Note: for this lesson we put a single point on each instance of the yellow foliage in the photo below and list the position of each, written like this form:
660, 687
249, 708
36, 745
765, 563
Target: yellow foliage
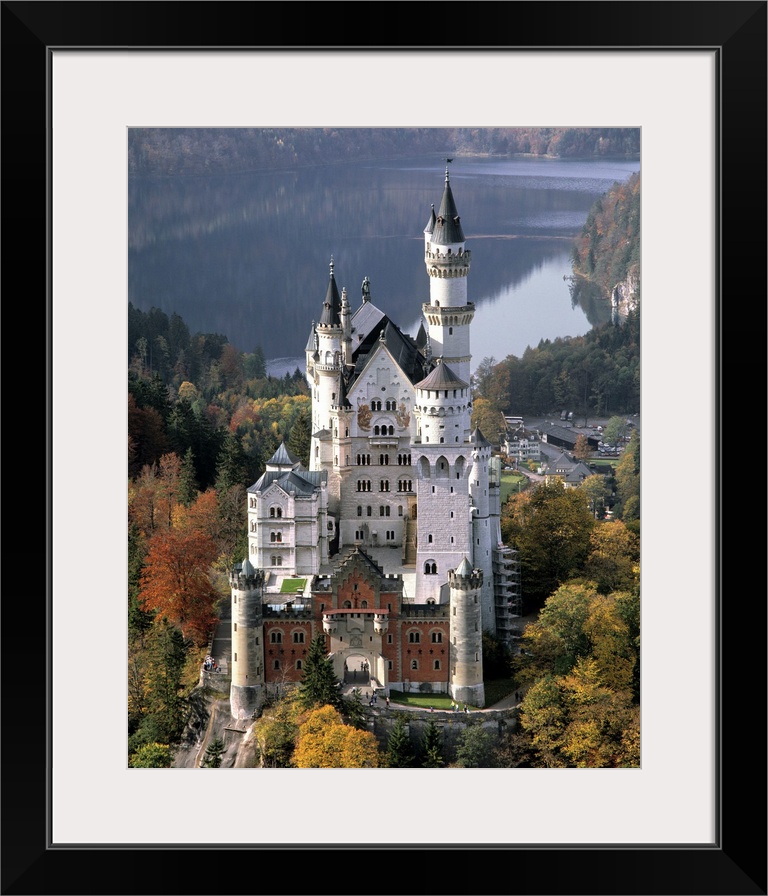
324, 741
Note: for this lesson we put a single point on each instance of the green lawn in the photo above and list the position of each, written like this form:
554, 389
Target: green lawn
511, 484
292, 586
494, 691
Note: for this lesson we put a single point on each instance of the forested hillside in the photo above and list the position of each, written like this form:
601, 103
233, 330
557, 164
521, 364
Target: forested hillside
606, 254
597, 374
210, 150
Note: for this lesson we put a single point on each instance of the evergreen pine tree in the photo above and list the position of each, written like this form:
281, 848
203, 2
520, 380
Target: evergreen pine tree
300, 437
319, 685
232, 464
188, 488
213, 754
431, 748
399, 751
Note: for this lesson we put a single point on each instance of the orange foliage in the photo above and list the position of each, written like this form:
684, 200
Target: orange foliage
175, 582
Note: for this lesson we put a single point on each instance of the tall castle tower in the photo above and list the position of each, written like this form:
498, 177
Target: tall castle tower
466, 648
448, 313
325, 358
247, 692
443, 407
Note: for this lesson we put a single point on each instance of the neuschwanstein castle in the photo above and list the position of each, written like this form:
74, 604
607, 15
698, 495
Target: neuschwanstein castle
399, 487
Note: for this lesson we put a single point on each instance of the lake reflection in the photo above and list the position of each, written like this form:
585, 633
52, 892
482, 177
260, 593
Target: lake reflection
247, 255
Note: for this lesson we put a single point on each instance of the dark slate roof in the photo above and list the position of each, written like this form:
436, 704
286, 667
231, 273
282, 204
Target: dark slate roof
401, 346
292, 482
283, 458
343, 400
312, 341
421, 336
442, 377
332, 303
478, 438
366, 322
447, 227
431, 223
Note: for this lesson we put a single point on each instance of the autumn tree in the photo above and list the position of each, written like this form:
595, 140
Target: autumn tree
276, 731
319, 685
175, 582
614, 555
152, 755
575, 721
550, 527
158, 688
628, 481
581, 448
324, 741
595, 489
488, 419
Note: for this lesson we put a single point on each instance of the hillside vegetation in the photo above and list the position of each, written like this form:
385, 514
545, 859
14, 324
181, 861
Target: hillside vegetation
214, 150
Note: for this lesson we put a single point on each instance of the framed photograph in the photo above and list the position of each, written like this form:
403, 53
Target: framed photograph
692, 819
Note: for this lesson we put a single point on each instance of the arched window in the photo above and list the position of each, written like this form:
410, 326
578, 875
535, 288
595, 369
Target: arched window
363, 604
414, 664
275, 637
272, 537
298, 637
271, 511
391, 430
414, 637
275, 664
347, 605
436, 665
359, 510
437, 637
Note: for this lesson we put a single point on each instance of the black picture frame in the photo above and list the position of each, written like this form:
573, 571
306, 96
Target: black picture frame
736, 863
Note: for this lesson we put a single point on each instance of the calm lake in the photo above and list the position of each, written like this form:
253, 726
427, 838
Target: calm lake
247, 255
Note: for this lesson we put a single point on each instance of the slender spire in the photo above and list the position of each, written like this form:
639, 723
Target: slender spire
332, 303
447, 227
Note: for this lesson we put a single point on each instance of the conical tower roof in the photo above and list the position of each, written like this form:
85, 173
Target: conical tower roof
442, 377
479, 439
464, 568
447, 227
283, 458
332, 304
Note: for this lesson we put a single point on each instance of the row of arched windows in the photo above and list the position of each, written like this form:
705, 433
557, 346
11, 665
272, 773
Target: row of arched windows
414, 637
384, 510
430, 568
297, 637
404, 460
389, 405
275, 536
276, 512
383, 430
